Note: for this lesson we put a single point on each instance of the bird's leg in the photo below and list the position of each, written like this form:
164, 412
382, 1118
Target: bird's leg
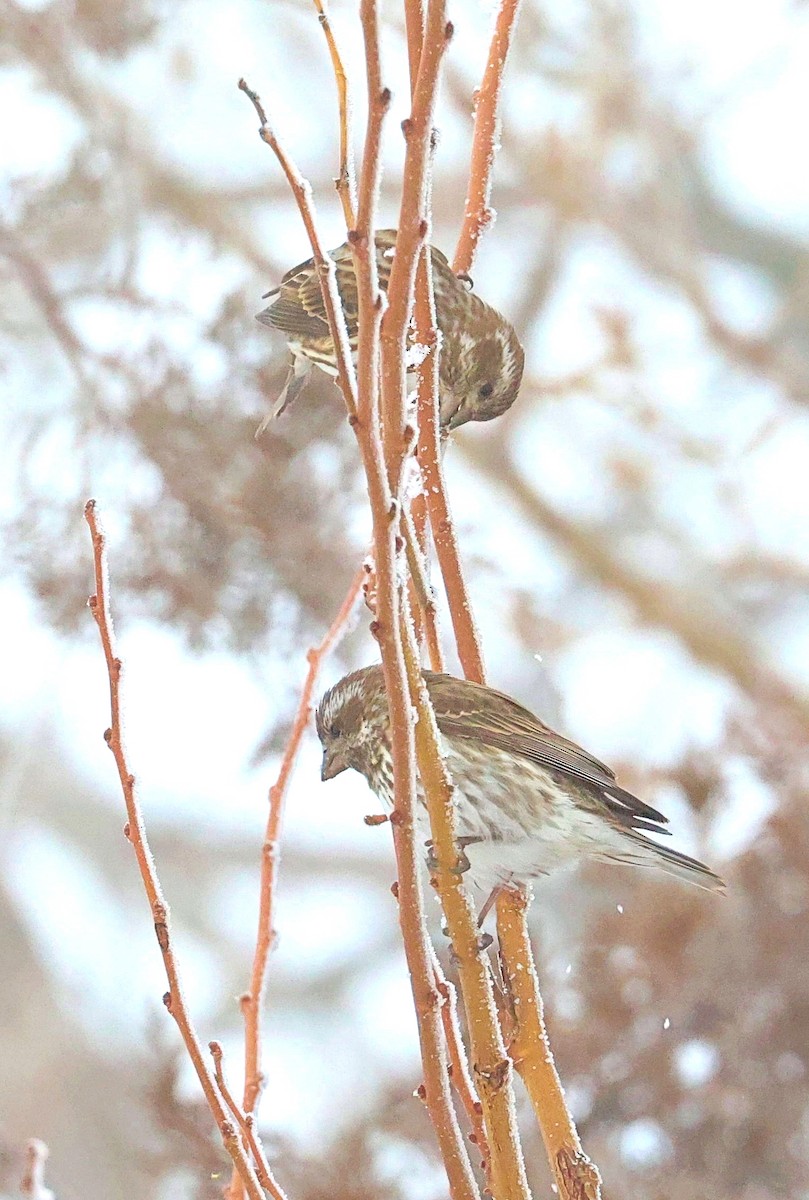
487, 907
463, 859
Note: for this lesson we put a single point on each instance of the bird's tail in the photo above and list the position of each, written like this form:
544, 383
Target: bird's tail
651, 854
295, 382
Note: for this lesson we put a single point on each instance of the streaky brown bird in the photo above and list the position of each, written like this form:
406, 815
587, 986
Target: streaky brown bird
527, 800
481, 359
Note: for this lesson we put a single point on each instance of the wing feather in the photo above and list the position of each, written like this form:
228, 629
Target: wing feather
298, 309
467, 710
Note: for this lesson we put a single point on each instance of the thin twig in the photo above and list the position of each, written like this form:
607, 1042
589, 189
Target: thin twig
422, 590
302, 191
461, 1077
414, 26
345, 182
246, 1122
434, 489
577, 1178
386, 627
412, 231
467, 638
434, 492
491, 1066
252, 1001
135, 830
370, 301
364, 418
478, 214
32, 1183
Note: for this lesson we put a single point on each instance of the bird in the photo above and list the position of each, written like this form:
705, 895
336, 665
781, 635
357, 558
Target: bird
527, 800
481, 360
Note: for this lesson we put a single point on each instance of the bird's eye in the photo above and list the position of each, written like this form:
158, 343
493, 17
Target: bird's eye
486, 390
333, 731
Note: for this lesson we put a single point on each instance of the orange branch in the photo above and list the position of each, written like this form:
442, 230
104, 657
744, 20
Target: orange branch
414, 26
491, 1066
461, 1078
135, 830
577, 1178
345, 181
464, 627
246, 1123
252, 1001
302, 191
32, 1183
423, 591
386, 627
364, 417
434, 490
412, 231
478, 215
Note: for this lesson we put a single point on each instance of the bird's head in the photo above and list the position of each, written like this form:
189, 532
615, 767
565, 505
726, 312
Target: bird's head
481, 370
350, 722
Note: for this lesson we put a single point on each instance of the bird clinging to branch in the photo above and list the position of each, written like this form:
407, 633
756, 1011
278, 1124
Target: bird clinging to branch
481, 359
527, 799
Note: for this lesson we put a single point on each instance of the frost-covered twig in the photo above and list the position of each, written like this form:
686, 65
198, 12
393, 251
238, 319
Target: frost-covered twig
345, 182
365, 419
246, 1122
412, 232
252, 1000
422, 590
302, 192
491, 1066
478, 214
135, 830
461, 1077
32, 1183
577, 1178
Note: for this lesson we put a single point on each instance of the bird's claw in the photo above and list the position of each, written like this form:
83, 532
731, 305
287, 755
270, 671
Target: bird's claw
484, 941
462, 863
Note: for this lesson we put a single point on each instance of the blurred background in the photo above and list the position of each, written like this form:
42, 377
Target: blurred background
635, 537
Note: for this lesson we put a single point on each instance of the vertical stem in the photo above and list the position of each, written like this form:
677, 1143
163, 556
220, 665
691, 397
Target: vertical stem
478, 214
346, 182
491, 1067
577, 1178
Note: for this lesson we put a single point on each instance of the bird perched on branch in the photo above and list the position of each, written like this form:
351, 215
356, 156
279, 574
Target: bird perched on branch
481, 359
526, 799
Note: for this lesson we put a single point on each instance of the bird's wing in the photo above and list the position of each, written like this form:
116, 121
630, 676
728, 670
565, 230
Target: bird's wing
467, 710
299, 310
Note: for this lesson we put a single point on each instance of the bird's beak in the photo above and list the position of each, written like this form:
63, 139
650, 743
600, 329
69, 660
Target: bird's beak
332, 765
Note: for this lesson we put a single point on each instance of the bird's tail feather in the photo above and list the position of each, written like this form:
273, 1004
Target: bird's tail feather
296, 381
682, 866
